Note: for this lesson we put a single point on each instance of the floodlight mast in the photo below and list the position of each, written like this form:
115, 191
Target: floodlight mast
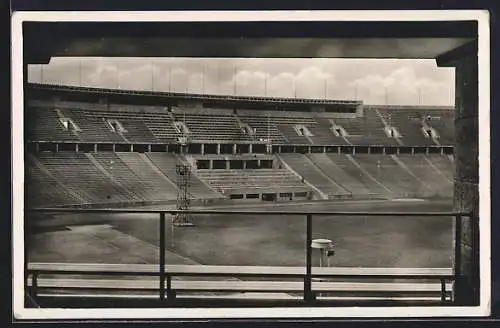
183, 183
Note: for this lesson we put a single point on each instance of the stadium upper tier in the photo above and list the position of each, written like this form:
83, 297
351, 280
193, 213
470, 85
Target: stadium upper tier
80, 115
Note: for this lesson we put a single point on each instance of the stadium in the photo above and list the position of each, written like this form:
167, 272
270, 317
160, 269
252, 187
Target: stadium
122, 157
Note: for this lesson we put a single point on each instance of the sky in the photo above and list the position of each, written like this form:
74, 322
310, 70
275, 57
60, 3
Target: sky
374, 81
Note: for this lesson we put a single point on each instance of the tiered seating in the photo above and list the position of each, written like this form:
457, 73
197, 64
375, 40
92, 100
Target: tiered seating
161, 126
43, 125
292, 136
82, 177
93, 126
137, 131
409, 125
124, 176
323, 135
387, 171
166, 163
443, 122
280, 124
211, 126
157, 185
353, 171
252, 181
135, 128
444, 165
264, 129
155, 124
419, 164
42, 190
337, 174
300, 164
374, 129
353, 128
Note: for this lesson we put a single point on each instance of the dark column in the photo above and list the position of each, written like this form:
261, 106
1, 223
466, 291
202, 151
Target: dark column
466, 191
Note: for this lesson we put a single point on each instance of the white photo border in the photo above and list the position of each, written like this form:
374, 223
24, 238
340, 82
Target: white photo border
19, 310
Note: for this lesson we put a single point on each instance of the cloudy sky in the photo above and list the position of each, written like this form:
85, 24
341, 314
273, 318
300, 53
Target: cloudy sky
375, 81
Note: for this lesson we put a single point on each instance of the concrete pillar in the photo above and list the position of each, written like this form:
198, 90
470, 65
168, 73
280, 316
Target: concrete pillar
250, 148
244, 165
203, 149
369, 150
412, 151
114, 147
149, 148
228, 165
95, 148
466, 191
76, 147
218, 149
234, 149
383, 151
211, 164
57, 147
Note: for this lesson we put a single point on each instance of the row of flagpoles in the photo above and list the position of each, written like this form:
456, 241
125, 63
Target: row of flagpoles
235, 82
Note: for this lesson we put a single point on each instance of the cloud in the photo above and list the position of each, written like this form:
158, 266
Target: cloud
402, 86
406, 81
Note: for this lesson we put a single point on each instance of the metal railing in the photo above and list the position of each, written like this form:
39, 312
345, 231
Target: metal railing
165, 278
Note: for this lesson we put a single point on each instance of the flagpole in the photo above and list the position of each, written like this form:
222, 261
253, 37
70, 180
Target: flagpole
265, 85
294, 88
203, 79
326, 81
152, 76
235, 84
187, 81
170, 77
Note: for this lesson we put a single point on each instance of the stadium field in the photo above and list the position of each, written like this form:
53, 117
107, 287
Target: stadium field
254, 240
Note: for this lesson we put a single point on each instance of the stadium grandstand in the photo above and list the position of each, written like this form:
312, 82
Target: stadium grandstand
109, 150
101, 146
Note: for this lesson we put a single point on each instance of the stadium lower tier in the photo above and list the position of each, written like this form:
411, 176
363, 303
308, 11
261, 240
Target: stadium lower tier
74, 178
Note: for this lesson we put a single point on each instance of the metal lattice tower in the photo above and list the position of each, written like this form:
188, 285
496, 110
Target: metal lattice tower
183, 184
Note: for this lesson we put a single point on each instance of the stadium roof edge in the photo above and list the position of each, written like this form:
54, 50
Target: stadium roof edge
187, 96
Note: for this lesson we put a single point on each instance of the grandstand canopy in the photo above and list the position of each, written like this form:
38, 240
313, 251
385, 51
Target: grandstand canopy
425, 40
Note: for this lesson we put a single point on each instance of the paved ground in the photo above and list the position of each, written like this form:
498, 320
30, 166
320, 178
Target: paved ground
253, 240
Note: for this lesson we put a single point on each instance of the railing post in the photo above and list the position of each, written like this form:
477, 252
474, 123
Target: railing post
162, 256
308, 295
34, 284
443, 290
457, 272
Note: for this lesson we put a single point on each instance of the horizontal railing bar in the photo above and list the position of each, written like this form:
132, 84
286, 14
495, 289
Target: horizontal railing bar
263, 275
273, 297
226, 212
237, 271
